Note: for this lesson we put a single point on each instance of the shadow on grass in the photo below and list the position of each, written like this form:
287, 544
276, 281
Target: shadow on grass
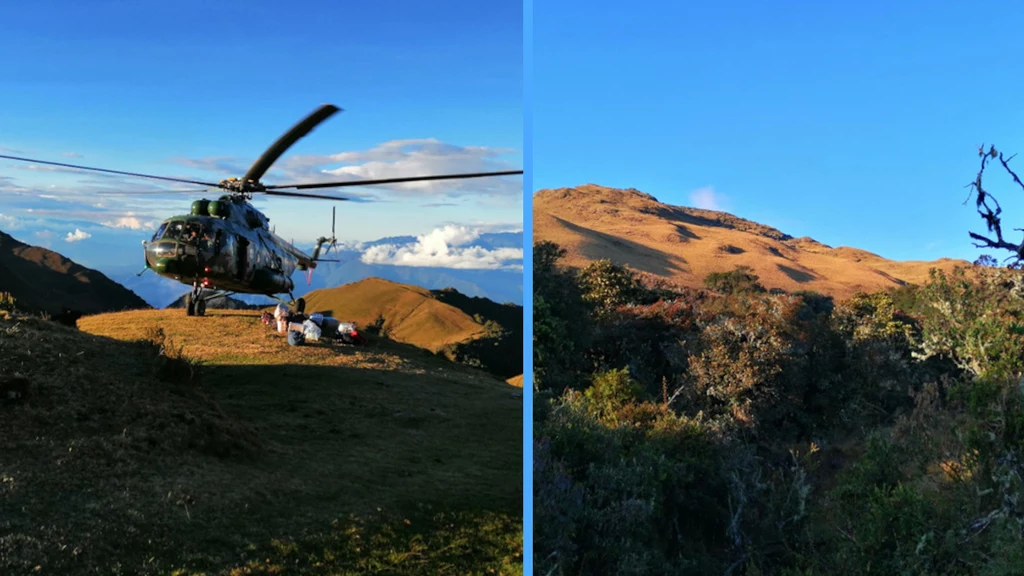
360, 469
596, 244
796, 275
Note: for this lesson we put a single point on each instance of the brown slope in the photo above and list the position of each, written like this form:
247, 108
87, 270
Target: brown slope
412, 315
686, 244
43, 280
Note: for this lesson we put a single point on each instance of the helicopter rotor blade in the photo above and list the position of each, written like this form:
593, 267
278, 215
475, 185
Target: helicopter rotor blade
301, 195
89, 168
394, 180
286, 141
145, 192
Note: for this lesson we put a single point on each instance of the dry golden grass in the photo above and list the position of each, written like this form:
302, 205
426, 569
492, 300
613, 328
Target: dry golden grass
383, 459
412, 315
686, 244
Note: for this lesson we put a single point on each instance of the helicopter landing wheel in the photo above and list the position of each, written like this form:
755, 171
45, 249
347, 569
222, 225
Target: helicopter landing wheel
190, 305
300, 306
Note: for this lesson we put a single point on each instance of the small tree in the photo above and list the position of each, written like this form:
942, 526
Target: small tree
741, 280
607, 286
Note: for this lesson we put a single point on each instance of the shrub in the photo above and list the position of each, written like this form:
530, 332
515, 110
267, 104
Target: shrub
977, 323
741, 280
606, 286
642, 497
561, 321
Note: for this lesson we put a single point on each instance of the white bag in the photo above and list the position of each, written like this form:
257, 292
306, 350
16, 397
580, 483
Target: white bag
282, 326
317, 318
346, 327
311, 331
280, 312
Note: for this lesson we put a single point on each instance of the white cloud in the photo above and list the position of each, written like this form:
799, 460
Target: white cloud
447, 247
9, 222
408, 158
131, 222
707, 199
77, 236
44, 234
71, 155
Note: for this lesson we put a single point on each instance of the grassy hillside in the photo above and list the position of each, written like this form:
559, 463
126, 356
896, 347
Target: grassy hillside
474, 331
684, 245
411, 314
43, 280
234, 453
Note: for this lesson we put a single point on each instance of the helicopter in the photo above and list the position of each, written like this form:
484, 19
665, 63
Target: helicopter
225, 246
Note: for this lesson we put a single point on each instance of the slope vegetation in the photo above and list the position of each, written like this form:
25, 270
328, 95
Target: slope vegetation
149, 442
686, 244
43, 280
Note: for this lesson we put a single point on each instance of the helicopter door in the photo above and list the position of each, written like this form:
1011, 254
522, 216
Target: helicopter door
242, 257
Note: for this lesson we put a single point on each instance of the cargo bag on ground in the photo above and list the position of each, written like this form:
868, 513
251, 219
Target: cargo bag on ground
311, 331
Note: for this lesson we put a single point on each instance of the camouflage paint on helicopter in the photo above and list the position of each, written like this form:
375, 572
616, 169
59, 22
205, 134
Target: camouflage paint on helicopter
225, 244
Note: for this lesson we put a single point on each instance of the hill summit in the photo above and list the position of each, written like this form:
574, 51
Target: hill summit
686, 244
42, 280
471, 330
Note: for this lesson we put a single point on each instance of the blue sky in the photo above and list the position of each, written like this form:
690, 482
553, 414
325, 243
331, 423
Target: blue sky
191, 88
854, 123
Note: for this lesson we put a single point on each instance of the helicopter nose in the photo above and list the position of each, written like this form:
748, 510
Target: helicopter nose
163, 256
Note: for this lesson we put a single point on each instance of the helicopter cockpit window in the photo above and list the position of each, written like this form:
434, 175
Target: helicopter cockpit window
159, 232
184, 231
174, 231
192, 233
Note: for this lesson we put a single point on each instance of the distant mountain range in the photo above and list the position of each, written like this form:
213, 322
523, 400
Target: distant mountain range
219, 303
498, 285
686, 244
42, 280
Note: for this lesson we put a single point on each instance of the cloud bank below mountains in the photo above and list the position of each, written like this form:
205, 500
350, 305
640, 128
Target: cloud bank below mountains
447, 247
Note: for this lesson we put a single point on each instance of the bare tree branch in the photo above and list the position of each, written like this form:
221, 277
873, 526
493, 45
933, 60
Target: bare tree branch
989, 208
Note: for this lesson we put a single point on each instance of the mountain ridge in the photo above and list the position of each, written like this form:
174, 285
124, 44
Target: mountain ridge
684, 244
42, 280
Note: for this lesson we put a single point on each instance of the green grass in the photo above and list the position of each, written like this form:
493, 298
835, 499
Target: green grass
274, 460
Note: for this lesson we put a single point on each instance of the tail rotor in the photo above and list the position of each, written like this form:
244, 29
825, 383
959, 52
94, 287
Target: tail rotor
331, 242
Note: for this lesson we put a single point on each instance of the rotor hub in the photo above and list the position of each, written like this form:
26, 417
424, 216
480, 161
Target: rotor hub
242, 187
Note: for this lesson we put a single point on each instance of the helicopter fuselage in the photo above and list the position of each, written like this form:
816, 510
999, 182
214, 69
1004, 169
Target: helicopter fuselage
225, 245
